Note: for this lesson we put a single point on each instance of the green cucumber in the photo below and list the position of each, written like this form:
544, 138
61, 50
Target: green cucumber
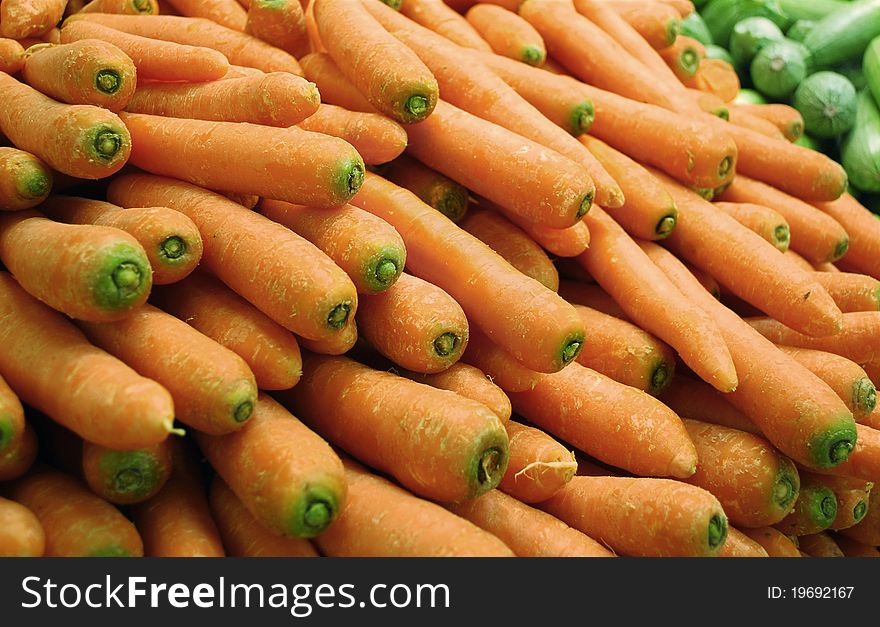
694, 27
855, 73
871, 67
722, 15
827, 102
750, 96
811, 9
750, 36
779, 68
717, 52
844, 34
800, 29
861, 149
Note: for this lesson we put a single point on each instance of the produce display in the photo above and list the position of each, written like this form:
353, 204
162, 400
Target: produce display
535, 278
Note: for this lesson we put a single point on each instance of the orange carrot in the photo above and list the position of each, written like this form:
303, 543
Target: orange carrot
814, 235
469, 382
154, 59
432, 188
126, 477
694, 399
592, 296
25, 181
29, 18
21, 534
827, 266
858, 340
843, 376
642, 517
633, 282
684, 58
100, 273
507, 33
776, 543
739, 544
275, 99
863, 230
80, 140
212, 387
177, 522
239, 48
710, 103
794, 409
749, 266
228, 13
801, 263
11, 416
244, 535
237, 159
512, 244
658, 22
169, 238
339, 344
76, 522
376, 138
567, 242
11, 56
819, 545
852, 292
852, 499
853, 548
19, 455
787, 119
281, 23
539, 466
766, 222
314, 299
614, 423
494, 295
528, 532
717, 77
383, 520
128, 7
499, 366
864, 462
868, 530
394, 80
756, 123
288, 477
335, 88
437, 16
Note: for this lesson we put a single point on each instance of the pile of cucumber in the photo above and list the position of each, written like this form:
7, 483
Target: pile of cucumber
821, 57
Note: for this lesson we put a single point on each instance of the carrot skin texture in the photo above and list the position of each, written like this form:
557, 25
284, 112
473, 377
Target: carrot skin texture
469, 382
432, 188
25, 180
852, 292
126, 7
505, 371
819, 545
860, 224
281, 24
766, 222
21, 18
539, 465
21, 534
19, 455
694, 399
858, 340
11, 55
440, 18
334, 86
228, 13
739, 544
774, 542
377, 139
508, 34
868, 530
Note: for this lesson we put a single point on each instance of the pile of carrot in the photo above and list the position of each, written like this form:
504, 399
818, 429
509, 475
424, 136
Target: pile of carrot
354, 278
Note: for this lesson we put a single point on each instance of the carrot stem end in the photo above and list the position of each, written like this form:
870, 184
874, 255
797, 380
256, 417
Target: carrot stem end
533, 55
717, 532
339, 315
582, 117
865, 395
666, 225
108, 81
172, 248
859, 511
446, 344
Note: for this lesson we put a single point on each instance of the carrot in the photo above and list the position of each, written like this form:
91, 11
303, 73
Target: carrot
794, 409
658, 22
852, 499
528, 532
19, 455
126, 477
592, 296
852, 292
717, 77
313, 299
326, 174
852, 548
634, 282
11, 56
766, 222
507, 33
863, 230
684, 58
858, 340
437, 16
801, 263
127, 7
376, 138
469, 382
28, 18
494, 295
843, 376
827, 266
694, 399
499, 366
275, 99
864, 462
52, 36
177, 522
754, 483
710, 103
169, 238
367, 248
339, 344
335, 88
753, 122
814, 511
512, 244
432, 188
228, 13
814, 235
76, 522
748, 265
463, 5
649, 211
153, 58
25, 180
819, 545
539, 466
80, 140
21, 534
739, 544
287, 477
100, 273
776, 543
248, 201
642, 517
244, 535
383, 520
625, 353
614, 423
238, 48
399, 85
212, 387
787, 119
11, 416
567, 242
281, 23
868, 530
